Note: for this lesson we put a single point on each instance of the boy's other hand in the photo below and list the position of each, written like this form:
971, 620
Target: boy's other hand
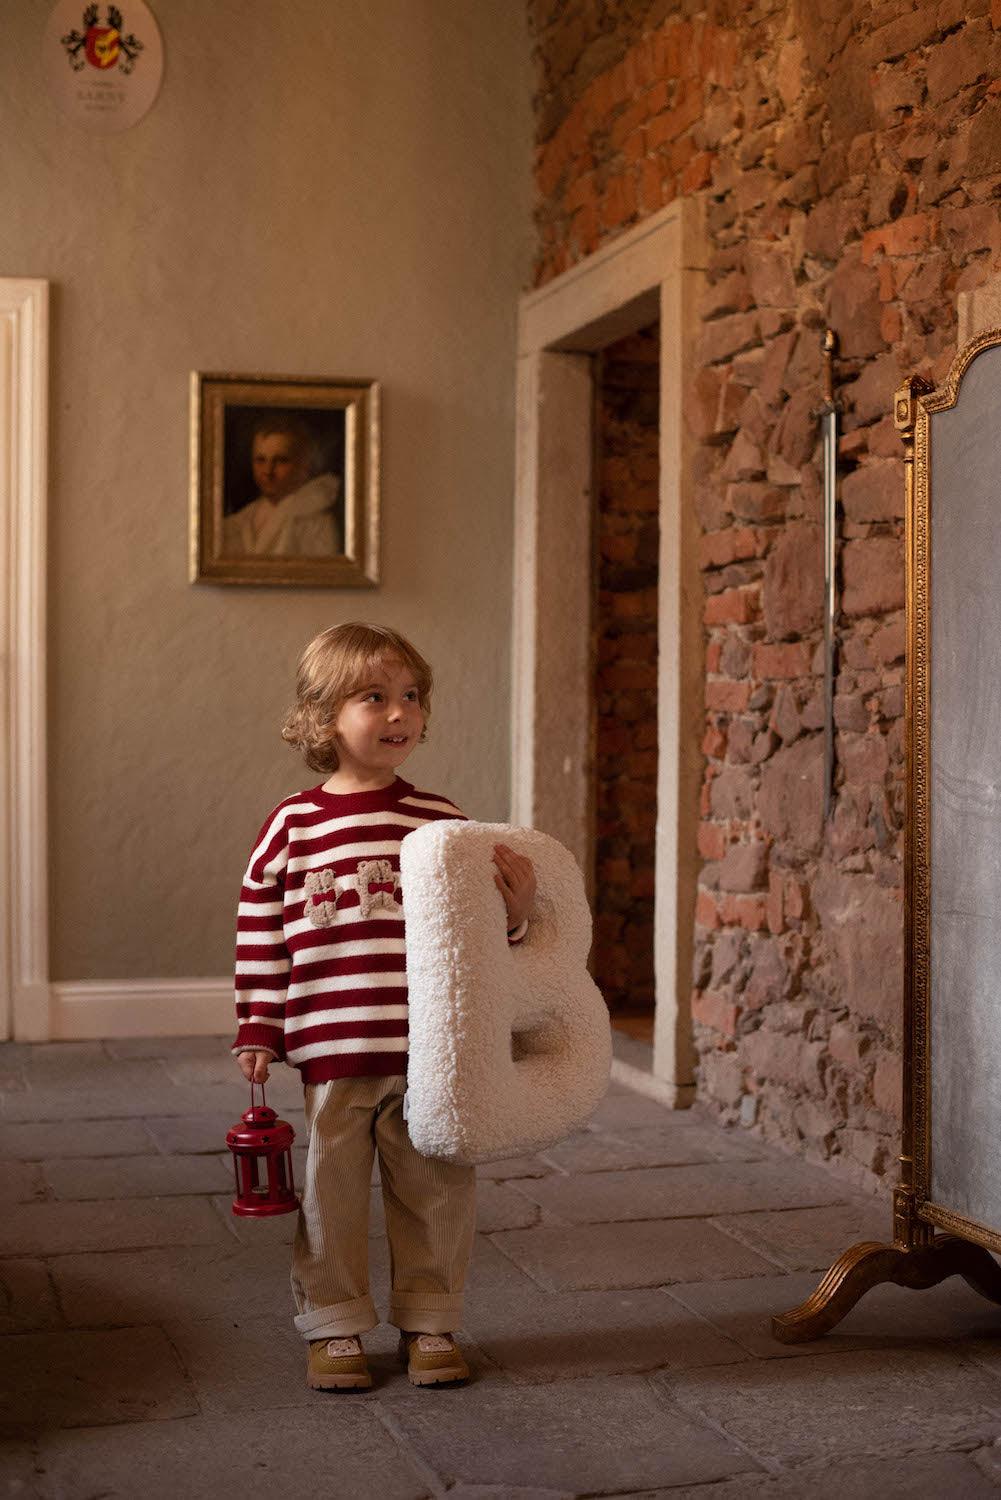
254, 1065
515, 879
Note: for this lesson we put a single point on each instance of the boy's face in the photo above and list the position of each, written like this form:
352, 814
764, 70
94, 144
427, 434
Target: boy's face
380, 723
279, 464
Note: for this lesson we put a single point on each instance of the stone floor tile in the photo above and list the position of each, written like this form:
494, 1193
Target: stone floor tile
681, 1192
21, 1182
872, 1403
505, 1492
654, 1253
887, 1316
276, 1229
18, 1480
227, 1356
123, 1103
27, 1297
120, 1224
646, 1146
168, 1046
182, 1283
918, 1476
242, 1456
500, 1207
514, 1166
595, 1436
84, 1066
136, 1177
205, 1133
621, 1107
74, 1138
284, 1085
540, 1337
811, 1239
76, 1379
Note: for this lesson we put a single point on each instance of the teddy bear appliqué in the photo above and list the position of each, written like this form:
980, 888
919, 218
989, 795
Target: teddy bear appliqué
375, 881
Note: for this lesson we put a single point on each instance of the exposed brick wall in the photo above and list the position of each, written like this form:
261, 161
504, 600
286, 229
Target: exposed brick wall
850, 157
627, 539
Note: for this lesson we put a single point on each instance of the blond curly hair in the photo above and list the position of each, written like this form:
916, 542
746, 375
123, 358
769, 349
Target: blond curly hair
335, 664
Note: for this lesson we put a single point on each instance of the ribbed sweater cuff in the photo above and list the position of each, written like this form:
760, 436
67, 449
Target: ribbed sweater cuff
262, 1038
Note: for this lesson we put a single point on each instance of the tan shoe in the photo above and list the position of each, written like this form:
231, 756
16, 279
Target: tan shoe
337, 1365
432, 1359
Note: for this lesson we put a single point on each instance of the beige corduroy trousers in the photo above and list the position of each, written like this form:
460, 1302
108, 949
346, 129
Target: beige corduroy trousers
430, 1216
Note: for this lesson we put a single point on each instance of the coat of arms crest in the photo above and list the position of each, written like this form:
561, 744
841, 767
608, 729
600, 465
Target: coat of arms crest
102, 46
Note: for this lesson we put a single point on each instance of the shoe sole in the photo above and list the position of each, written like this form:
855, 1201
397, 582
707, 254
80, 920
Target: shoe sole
454, 1376
339, 1382
354, 1380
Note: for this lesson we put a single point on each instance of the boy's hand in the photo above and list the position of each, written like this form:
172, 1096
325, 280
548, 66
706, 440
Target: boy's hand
254, 1065
515, 879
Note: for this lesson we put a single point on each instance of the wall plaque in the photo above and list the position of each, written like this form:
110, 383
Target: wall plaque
103, 63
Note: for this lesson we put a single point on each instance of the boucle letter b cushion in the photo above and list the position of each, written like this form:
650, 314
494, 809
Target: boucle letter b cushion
510, 1044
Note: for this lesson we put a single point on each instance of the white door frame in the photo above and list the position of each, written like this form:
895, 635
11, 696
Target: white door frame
24, 929
653, 269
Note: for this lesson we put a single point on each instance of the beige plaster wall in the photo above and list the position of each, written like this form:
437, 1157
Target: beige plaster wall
337, 188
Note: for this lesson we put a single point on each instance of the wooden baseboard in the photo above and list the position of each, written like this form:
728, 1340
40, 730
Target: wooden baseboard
87, 1010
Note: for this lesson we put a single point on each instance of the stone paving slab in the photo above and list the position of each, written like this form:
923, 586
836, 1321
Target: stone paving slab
811, 1239
167, 1046
505, 1492
203, 1133
71, 1139
515, 1166
119, 1224
21, 1182
85, 1066
226, 1355
886, 1316
165, 1099
338, 1441
284, 1085
136, 1177
920, 1476
27, 1297
76, 1379
608, 1434
647, 1146
498, 1207
622, 1107
546, 1337
873, 1403
653, 1253
275, 1230
175, 1283
680, 1192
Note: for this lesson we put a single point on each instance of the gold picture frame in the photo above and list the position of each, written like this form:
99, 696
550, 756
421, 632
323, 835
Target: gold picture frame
284, 481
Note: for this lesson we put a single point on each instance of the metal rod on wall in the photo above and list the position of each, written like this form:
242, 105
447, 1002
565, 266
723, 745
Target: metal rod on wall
829, 429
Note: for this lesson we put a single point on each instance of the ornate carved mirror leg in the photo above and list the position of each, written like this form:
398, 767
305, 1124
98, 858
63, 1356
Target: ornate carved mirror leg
870, 1264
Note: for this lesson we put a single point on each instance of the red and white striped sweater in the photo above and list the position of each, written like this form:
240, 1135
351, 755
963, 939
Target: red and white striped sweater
321, 968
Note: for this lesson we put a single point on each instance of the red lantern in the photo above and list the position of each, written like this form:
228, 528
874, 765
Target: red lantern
262, 1161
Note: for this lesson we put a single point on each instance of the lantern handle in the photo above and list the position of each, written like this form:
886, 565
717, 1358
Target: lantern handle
253, 1086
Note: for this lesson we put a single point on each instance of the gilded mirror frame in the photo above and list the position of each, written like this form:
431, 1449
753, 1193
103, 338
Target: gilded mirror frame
916, 405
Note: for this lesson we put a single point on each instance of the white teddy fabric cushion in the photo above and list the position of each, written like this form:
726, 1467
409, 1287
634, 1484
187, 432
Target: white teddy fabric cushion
510, 1044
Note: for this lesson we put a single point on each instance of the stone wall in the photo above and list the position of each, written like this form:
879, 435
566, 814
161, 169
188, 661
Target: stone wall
627, 539
849, 155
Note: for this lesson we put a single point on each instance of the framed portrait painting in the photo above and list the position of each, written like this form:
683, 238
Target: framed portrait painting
284, 480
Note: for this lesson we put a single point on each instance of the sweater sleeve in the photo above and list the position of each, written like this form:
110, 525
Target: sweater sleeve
263, 963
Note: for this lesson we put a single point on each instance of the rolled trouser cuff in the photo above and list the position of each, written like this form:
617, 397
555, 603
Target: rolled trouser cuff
338, 1321
426, 1312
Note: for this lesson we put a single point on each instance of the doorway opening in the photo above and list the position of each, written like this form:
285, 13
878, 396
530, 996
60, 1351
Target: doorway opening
626, 551
606, 312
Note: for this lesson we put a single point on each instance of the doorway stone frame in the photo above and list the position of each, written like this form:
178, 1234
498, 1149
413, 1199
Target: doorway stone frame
653, 270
